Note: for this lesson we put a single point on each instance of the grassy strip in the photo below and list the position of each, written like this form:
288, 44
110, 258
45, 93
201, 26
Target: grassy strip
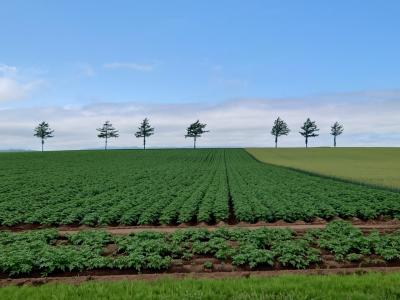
368, 286
376, 167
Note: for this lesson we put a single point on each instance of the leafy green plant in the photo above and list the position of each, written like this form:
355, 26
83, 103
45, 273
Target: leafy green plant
208, 265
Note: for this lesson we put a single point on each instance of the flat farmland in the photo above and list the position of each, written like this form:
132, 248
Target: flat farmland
172, 187
76, 216
339, 245
375, 166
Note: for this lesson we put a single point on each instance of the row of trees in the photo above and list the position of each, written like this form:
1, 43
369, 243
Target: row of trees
196, 130
107, 131
308, 130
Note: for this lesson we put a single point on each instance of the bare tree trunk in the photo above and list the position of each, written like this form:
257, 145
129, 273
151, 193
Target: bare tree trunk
194, 142
276, 142
334, 141
306, 142
42, 144
144, 142
105, 145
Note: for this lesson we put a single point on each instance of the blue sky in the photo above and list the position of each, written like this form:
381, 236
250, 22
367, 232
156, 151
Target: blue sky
77, 53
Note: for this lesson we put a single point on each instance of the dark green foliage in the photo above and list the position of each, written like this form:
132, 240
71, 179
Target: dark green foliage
308, 130
336, 130
144, 131
173, 186
195, 131
208, 265
280, 128
387, 246
270, 193
344, 240
106, 132
116, 187
349, 243
46, 252
43, 132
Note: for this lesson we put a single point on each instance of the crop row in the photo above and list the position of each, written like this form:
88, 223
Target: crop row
45, 252
117, 187
270, 193
172, 187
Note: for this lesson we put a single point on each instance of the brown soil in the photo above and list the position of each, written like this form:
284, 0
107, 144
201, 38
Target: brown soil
300, 226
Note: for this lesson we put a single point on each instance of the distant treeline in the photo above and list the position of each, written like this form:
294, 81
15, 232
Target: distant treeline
195, 130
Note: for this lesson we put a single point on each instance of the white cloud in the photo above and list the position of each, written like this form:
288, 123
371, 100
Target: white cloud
130, 65
13, 86
12, 89
239, 123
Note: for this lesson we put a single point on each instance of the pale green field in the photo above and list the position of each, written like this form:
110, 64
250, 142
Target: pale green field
376, 166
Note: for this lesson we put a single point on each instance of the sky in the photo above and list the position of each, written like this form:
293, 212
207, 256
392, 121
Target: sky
235, 65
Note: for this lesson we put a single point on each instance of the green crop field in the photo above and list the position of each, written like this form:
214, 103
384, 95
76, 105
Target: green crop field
376, 166
354, 287
46, 252
172, 187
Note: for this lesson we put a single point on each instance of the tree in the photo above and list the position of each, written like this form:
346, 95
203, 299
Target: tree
195, 131
43, 132
336, 130
145, 130
280, 128
106, 132
308, 130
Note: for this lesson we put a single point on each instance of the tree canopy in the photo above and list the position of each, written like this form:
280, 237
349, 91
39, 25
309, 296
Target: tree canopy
106, 132
144, 130
43, 131
308, 130
196, 130
336, 130
280, 128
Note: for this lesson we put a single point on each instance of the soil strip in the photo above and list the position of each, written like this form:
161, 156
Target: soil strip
382, 226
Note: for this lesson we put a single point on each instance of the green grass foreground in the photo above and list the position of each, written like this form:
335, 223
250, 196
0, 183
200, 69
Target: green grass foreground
369, 286
375, 166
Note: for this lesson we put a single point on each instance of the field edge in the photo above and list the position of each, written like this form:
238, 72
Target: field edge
325, 176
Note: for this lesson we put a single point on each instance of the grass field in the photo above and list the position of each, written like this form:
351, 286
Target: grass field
172, 187
362, 287
376, 166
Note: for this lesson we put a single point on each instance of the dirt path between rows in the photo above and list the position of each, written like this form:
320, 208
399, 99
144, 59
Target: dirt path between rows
204, 275
383, 226
297, 228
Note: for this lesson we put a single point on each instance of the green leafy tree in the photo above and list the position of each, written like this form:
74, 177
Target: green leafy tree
195, 131
43, 132
280, 128
106, 132
145, 130
336, 130
309, 130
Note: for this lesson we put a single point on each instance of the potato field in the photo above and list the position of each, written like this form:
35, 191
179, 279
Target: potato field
45, 252
171, 187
